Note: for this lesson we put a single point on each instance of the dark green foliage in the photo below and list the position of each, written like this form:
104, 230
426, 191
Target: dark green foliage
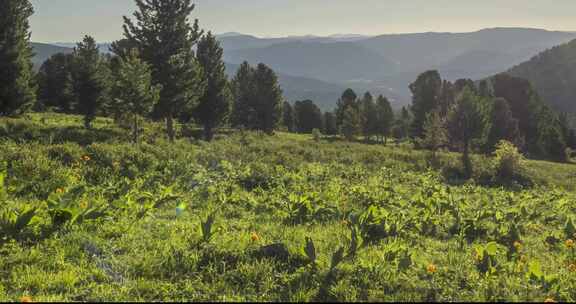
538, 124
348, 115
257, 98
553, 73
330, 127
368, 116
347, 100
55, 81
243, 90
551, 142
91, 79
269, 99
524, 105
288, 117
214, 105
384, 117
308, 116
351, 123
165, 39
468, 121
435, 133
17, 88
426, 92
503, 126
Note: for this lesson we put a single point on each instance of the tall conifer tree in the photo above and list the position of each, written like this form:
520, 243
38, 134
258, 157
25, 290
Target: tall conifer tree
17, 88
214, 106
166, 38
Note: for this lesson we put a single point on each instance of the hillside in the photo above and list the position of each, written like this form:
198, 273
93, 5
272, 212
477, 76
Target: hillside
89, 217
553, 73
338, 61
44, 51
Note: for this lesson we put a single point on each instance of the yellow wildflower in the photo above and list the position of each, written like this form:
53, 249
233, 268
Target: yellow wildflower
83, 205
26, 299
549, 300
254, 237
59, 190
572, 267
569, 243
518, 245
86, 158
431, 269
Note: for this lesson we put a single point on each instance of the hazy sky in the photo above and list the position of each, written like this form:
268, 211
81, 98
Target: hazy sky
69, 20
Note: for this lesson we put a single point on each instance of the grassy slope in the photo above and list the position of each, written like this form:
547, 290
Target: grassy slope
282, 189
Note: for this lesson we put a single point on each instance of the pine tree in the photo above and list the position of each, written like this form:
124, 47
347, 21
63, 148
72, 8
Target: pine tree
268, 99
504, 126
165, 40
55, 83
351, 123
426, 93
347, 100
307, 116
435, 133
243, 90
288, 117
368, 116
133, 91
467, 121
330, 127
91, 79
17, 88
215, 104
384, 117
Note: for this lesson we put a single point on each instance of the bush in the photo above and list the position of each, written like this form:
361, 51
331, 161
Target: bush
508, 160
316, 134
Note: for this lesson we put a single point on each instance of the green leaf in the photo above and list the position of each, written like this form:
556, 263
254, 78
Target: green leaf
492, 248
535, 269
337, 257
310, 250
569, 229
24, 219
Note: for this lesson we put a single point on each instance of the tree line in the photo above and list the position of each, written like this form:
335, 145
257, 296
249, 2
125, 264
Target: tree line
166, 68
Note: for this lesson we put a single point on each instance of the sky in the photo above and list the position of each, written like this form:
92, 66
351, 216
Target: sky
70, 20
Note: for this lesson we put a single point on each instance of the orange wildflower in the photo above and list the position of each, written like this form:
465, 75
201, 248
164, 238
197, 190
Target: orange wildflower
431, 269
26, 299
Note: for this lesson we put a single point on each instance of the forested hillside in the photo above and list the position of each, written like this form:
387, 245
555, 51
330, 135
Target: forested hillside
553, 73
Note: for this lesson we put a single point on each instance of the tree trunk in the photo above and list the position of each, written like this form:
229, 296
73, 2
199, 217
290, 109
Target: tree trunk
135, 131
466, 160
208, 134
170, 127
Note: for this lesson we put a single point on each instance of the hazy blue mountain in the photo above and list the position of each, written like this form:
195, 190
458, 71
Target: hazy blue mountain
553, 73
43, 51
337, 61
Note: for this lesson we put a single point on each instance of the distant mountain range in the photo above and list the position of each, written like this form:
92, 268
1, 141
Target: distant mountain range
320, 68
43, 51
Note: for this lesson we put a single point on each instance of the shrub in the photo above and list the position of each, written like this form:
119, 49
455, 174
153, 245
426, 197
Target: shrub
508, 160
316, 134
